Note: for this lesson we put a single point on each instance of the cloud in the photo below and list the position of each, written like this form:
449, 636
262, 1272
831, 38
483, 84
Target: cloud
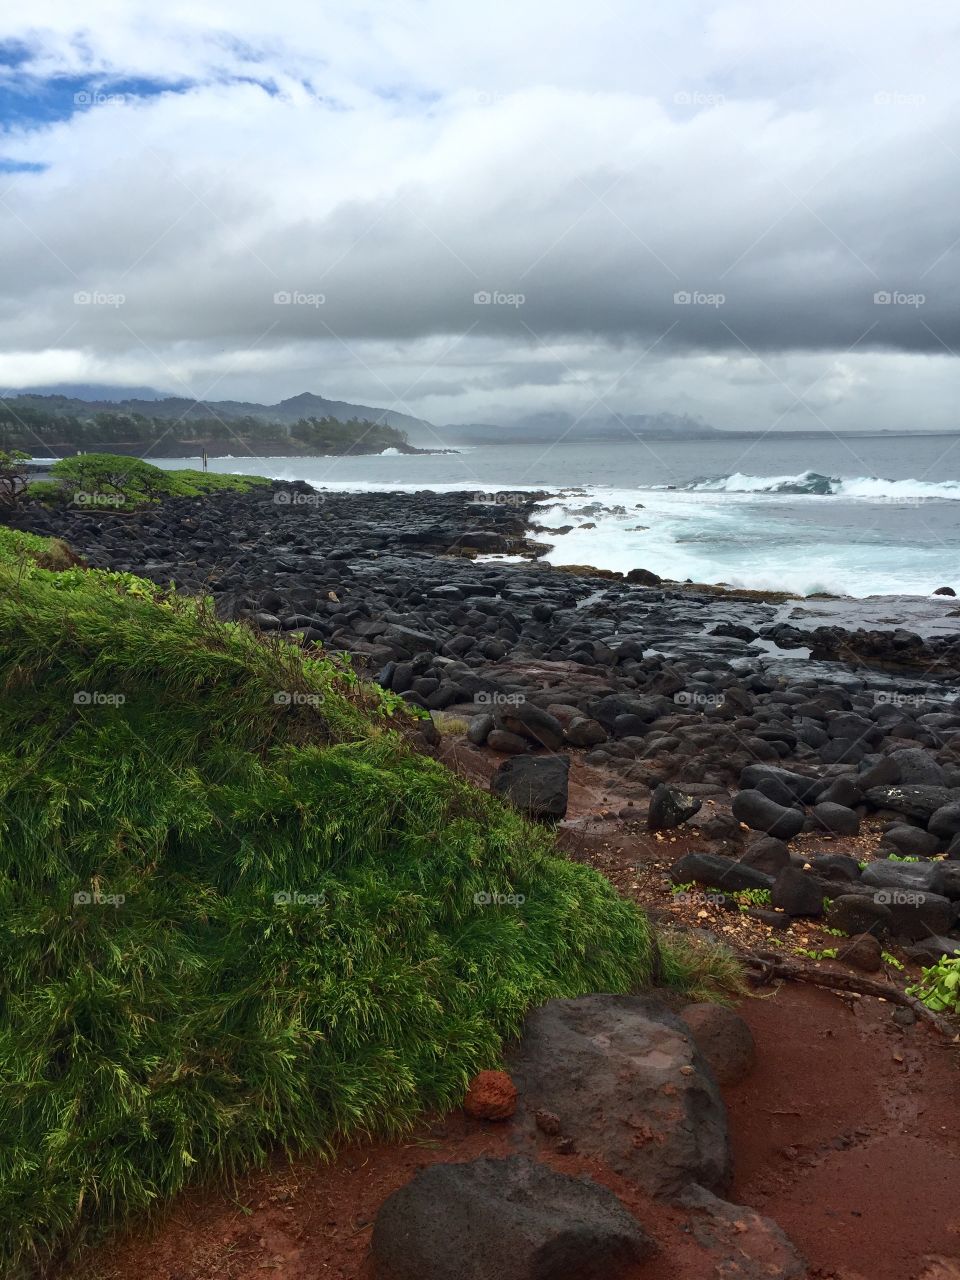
490, 211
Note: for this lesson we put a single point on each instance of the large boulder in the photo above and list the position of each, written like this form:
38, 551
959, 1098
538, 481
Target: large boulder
406, 641
745, 1245
910, 842
835, 818
802, 788
916, 766
766, 854
669, 808
532, 722
886, 873
536, 785
511, 1219
932, 949
584, 732
629, 1085
797, 893
717, 872
913, 801
760, 813
843, 791
917, 915
855, 914
945, 822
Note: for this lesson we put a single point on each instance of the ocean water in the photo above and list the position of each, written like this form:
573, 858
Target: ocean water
857, 516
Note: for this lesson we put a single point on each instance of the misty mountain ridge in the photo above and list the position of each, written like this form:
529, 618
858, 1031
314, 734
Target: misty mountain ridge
83, 399
182, 408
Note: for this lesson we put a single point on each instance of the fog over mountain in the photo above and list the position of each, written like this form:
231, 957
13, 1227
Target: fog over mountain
473, 214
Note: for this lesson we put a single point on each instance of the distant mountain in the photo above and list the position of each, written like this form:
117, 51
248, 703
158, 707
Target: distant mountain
90, 391
306, 405
550, 426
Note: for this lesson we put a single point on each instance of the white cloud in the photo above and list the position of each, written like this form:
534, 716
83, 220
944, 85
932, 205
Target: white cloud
595, 160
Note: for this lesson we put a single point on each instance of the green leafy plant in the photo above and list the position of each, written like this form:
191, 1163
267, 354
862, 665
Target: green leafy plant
939, 985
752, 898
890, 960
896, 857
827, 953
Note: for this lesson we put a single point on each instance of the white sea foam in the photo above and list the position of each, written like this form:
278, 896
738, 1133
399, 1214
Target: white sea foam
814, 484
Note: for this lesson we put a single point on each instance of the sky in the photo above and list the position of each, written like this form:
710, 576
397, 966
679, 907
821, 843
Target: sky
744, 212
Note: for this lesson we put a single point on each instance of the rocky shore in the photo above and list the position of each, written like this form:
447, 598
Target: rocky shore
679, 696
736, 763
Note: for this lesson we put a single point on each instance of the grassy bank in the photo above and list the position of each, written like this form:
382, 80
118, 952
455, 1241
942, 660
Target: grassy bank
237, 911
112, 480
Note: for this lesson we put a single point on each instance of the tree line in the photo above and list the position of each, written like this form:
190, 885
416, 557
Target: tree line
34, 429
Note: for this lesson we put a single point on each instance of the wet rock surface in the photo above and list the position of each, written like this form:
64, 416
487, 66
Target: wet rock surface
513, 1219
625, 1078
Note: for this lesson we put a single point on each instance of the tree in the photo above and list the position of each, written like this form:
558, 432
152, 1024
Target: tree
13, 473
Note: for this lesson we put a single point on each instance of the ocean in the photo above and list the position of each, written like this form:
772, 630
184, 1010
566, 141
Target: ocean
857, 516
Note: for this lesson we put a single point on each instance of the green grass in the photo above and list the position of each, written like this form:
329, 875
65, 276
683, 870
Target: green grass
18, 548
178, 1020
115, 482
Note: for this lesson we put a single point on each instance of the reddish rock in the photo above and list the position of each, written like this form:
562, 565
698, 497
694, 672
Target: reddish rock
492, 1096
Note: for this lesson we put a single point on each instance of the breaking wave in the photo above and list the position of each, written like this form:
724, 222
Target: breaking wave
812, 482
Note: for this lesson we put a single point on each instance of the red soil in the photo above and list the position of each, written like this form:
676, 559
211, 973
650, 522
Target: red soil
845, 1134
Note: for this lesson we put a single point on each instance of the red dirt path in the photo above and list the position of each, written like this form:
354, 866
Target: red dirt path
845, 1134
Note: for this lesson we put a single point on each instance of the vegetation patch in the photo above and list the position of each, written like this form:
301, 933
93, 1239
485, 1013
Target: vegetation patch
111, 481
238, 912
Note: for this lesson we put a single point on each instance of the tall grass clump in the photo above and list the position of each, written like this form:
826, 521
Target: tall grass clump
238, 913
